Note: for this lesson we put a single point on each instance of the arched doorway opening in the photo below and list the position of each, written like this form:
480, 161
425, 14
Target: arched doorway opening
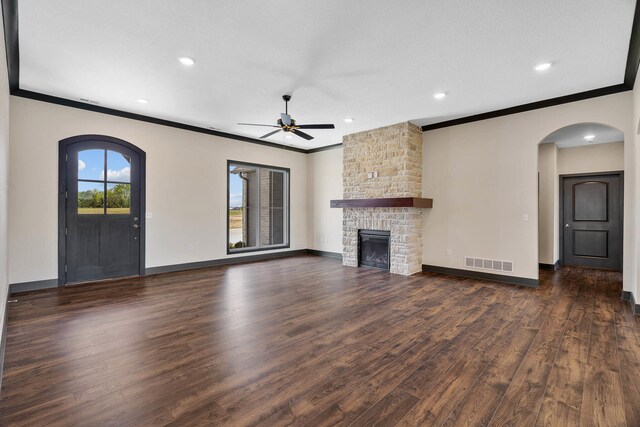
580, 197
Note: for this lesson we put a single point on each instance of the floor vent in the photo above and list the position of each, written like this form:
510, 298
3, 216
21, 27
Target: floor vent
488, 264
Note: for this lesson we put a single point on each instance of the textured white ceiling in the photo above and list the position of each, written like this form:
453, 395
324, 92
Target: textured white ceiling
573, 136
379, 62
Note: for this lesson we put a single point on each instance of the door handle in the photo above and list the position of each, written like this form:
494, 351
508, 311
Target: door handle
567, 226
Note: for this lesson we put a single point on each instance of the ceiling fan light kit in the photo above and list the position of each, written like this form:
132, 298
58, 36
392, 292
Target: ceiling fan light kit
287, 124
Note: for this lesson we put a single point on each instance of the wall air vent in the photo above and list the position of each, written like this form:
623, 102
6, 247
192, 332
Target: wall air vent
488, 264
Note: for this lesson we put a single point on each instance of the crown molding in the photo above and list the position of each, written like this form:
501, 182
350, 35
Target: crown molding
609, 90
633, 56
325, 148
119, 113
10, 20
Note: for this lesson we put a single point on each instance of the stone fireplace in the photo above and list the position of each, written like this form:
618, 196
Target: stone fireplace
382, 186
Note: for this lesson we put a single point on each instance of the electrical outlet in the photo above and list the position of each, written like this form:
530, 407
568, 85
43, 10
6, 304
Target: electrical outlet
525, 217
148, 215
448, 252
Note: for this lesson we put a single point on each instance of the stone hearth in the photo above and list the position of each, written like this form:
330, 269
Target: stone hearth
395, 154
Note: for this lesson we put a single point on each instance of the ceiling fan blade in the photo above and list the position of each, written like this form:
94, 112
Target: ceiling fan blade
286, 119
302, 135
270, 133
253, 124
325, 126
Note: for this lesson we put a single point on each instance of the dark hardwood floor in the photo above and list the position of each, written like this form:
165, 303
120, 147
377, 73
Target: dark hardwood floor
305, 341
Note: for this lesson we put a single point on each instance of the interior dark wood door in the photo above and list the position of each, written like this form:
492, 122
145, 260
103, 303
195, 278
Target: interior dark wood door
103, 209
592, 221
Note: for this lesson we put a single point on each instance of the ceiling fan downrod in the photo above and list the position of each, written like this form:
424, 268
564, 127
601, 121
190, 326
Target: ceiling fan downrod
286, 98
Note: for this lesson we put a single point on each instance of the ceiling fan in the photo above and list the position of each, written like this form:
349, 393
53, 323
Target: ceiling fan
287, 124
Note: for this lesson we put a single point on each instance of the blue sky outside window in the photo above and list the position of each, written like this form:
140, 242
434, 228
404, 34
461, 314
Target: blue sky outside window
91, 164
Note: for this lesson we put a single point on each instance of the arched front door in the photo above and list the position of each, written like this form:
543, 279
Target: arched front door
101, 211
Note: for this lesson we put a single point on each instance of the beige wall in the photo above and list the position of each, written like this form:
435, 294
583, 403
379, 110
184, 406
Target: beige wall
186, 186
4, 180
325, 184
591, 158
482, 177
548, 236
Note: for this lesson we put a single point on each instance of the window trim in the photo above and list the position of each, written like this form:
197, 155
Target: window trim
288, 210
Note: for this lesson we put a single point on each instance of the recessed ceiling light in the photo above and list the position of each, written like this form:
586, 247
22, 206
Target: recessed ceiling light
589, 137
185, 60
288, 136
143, 101
348, 120
542, 67
439, 95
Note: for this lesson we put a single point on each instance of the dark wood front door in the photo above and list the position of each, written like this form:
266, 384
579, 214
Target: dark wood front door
592, 221
103, 201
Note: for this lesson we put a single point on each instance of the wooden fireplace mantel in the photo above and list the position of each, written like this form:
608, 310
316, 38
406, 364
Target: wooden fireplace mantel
393, 202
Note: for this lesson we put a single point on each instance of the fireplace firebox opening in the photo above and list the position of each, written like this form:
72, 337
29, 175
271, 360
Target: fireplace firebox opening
374, 248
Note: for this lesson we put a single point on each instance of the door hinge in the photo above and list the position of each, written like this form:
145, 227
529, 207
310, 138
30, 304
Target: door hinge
65, 231
65, 268
66, 157
66, 194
